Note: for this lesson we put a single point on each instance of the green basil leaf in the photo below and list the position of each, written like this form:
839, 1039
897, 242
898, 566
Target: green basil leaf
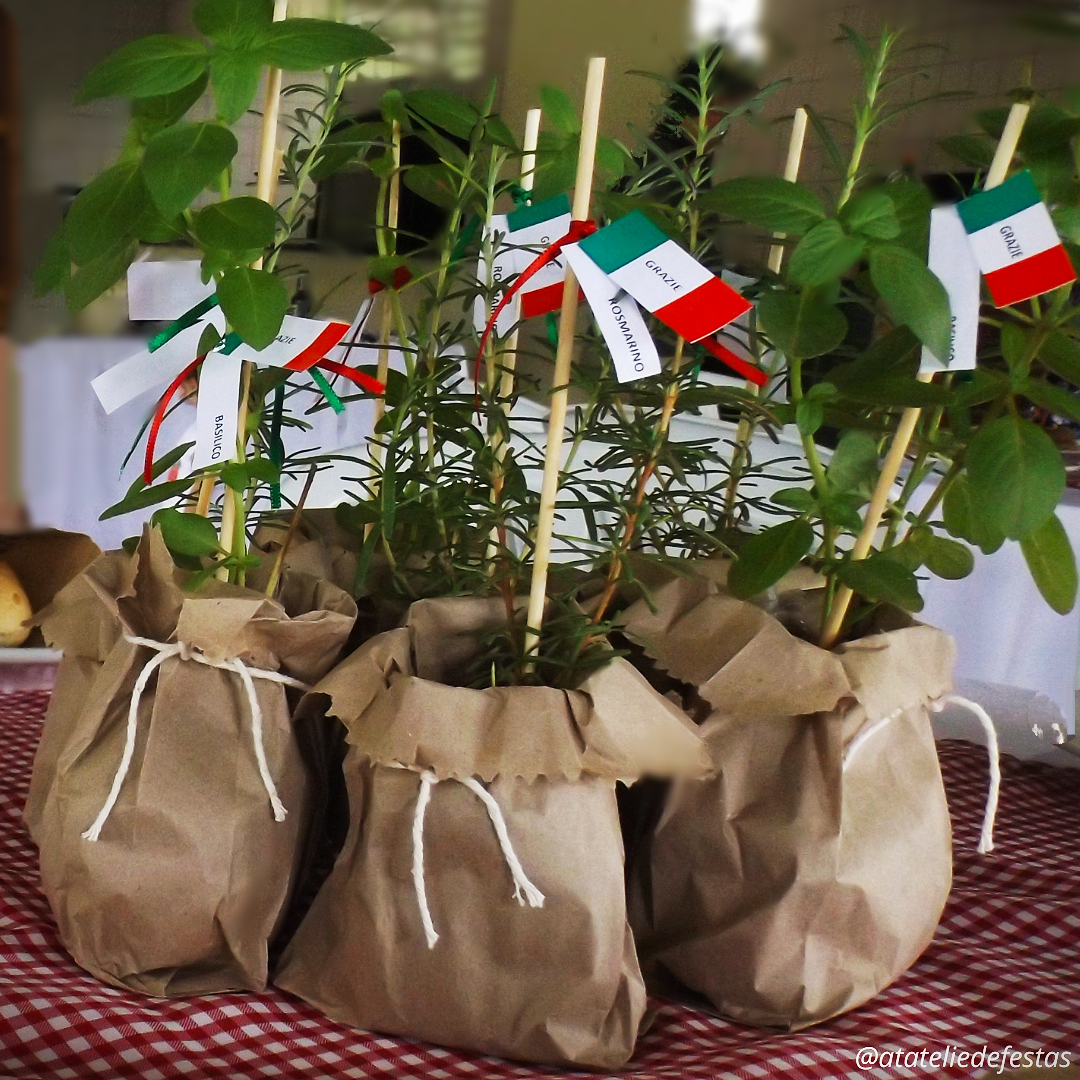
809, 415
105, 213
261, 468
314, 44
881, 579
824, 254
149, 67
963, 520
796, 498
232, 19
1061, 354
183, 160
1055, 399
913, 203
235, 76
451, 112
768, 202
254, 302
801, 326
433, 183
1016, 476
241, 224
559, 110
54, 270
767, 556
914, 295
1067, 220
161, 466
234, 475
145, 497
92, 279
151, 114
975, 151
1052, 562
946, 558
854, 464
186, 534
871, 214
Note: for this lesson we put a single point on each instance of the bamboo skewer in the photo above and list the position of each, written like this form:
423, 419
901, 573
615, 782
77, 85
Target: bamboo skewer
776, 260
265, 186
999, 169
590, 123
509, 367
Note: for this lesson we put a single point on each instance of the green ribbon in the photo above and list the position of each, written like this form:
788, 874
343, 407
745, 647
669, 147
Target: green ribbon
189, 318
328, 391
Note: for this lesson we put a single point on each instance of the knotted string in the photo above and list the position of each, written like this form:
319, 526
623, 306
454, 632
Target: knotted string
185, 652
579, 229
986, 837
524, 890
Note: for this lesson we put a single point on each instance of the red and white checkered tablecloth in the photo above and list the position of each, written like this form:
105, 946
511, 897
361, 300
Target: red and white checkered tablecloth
1004, 970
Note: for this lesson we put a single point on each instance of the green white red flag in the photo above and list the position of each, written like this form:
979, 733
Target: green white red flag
1015, 242
664, 278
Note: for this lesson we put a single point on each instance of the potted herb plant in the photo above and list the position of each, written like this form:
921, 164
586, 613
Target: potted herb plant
170, 729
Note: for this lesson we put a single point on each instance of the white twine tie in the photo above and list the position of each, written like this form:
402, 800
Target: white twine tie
986, 837
524, 890
184, 651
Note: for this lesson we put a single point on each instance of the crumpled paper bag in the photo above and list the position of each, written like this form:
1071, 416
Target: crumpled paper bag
557, 984
186, 885
788, 888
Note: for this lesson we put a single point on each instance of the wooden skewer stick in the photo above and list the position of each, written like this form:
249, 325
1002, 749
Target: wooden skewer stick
999, 169
791, 174
509, 366
265, 186
776, 259
564, 352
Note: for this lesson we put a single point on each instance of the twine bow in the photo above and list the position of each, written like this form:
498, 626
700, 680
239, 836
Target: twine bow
185, 652
986, 837
524, 890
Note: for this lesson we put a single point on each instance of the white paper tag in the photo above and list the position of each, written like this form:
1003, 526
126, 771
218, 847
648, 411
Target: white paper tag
953, 261
502, 265
300, 344
160, 291
348, 350
619, 318
215, 422
148, 370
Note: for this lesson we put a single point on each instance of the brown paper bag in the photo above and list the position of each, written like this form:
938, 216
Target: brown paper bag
189, 877
791, 886
417, 931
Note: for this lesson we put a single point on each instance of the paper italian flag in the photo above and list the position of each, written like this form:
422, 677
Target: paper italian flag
530, 229
1014, 241
664, 278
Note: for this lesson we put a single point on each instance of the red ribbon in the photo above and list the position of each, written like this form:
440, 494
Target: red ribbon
360, 378
747, 371
402, 277
578, 231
